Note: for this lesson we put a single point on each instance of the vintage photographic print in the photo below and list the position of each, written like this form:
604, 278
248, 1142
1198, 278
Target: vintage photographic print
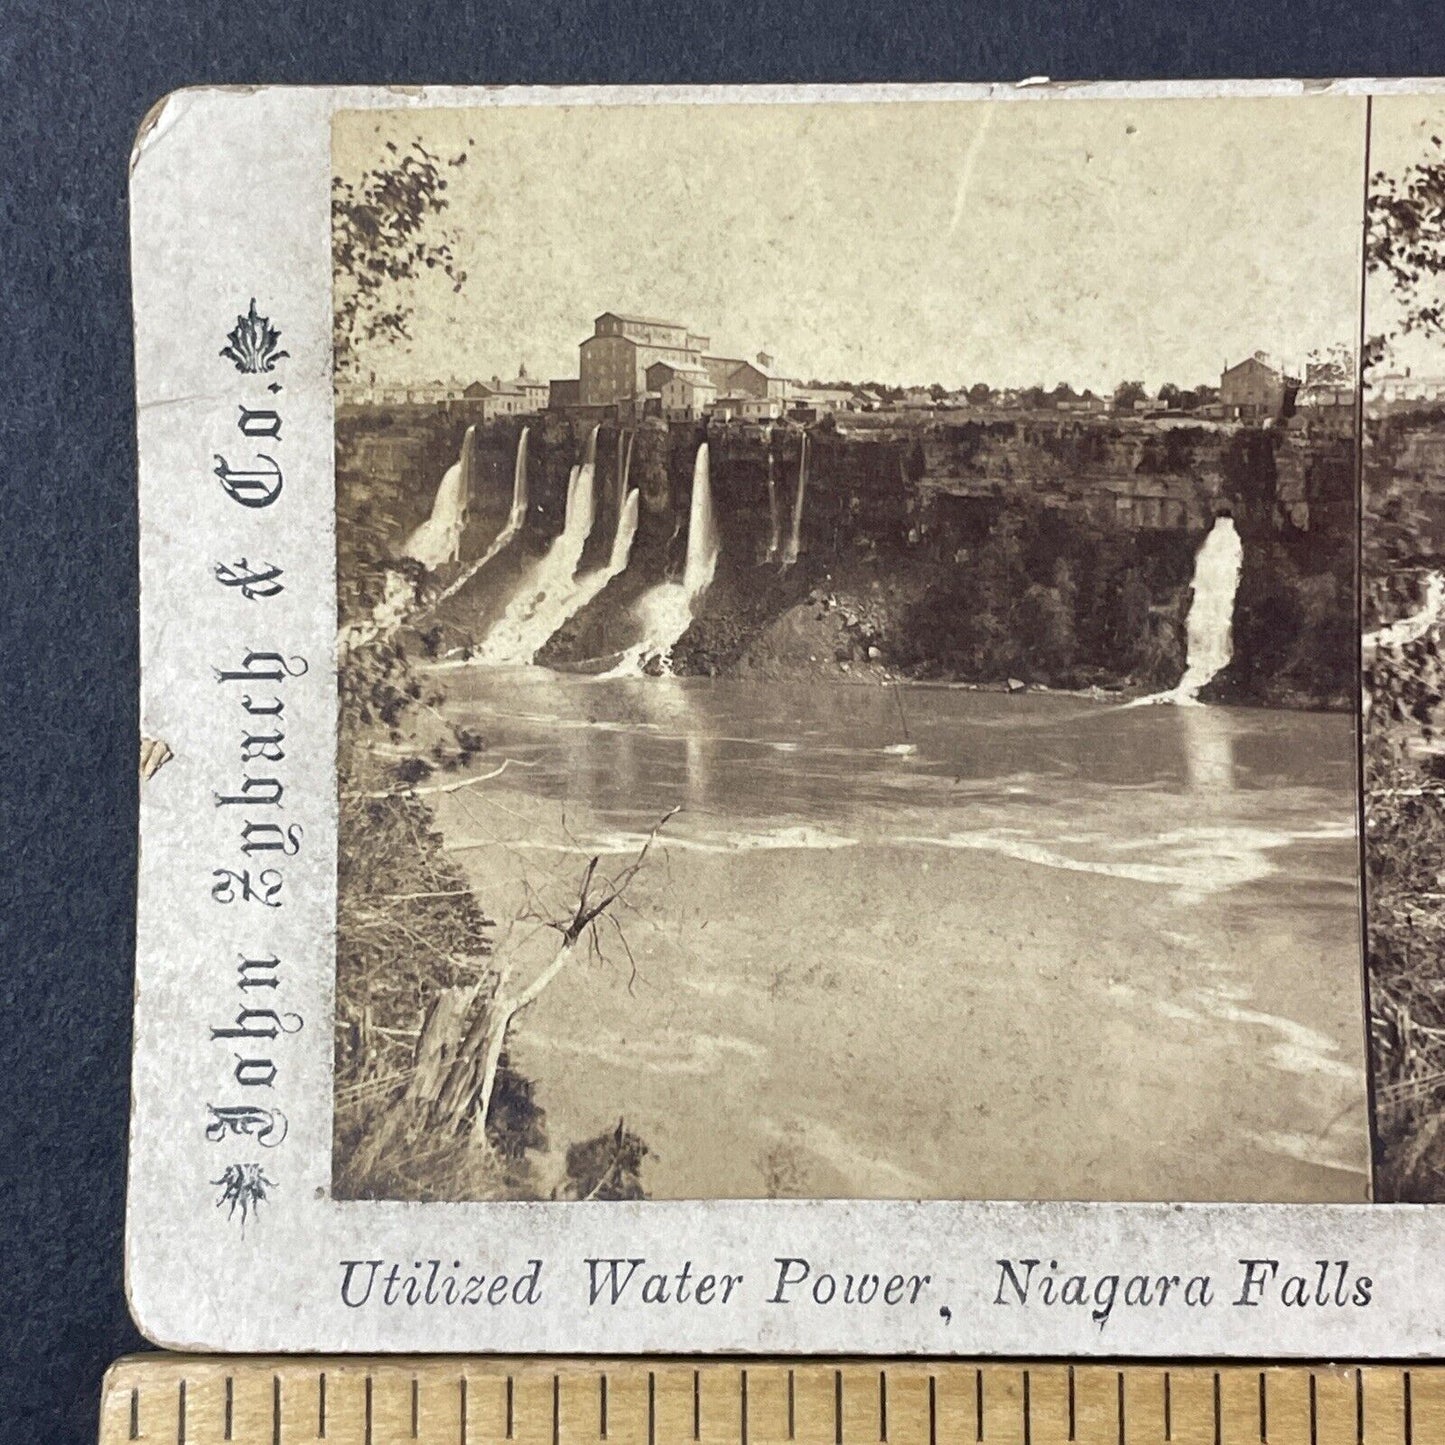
848, 673
1403, 596
791, 721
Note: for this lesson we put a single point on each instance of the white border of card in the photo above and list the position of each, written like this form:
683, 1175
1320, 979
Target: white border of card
230, 197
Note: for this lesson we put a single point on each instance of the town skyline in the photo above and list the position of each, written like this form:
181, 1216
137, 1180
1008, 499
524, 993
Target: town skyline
522, 367
1017, 244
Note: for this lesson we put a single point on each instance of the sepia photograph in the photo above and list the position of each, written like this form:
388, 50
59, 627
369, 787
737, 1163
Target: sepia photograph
849, 656
1403, 605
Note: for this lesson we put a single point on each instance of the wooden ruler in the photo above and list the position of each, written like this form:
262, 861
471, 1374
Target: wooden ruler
441, 1400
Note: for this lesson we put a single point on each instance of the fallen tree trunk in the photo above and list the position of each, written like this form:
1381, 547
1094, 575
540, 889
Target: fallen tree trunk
464, 1035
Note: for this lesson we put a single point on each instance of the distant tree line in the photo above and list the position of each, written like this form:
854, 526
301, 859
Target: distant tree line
1170, 396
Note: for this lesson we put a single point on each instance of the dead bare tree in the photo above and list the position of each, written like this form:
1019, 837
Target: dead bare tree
464, 1035
505, 1005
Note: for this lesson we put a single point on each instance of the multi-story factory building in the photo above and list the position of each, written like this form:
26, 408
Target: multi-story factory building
615, 358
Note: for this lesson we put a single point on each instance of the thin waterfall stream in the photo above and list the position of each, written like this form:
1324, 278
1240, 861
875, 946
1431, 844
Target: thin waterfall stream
543, 597
775, 517
795, 536
515, 521
666, 611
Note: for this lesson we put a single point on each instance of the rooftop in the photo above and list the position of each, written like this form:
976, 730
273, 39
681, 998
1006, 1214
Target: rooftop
640, 320
692, 373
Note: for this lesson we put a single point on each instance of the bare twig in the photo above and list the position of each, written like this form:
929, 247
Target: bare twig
411, 791
505, 1007
587, 911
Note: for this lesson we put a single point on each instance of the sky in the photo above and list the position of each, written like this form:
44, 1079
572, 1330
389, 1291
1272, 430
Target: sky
1011, 242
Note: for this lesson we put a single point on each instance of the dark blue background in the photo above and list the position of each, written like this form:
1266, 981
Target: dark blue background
74, 82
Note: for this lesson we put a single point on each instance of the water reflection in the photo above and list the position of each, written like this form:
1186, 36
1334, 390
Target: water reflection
1207, 735
1181, 879
746, 760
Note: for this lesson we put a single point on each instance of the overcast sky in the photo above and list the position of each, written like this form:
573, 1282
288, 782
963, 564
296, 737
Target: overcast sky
1008, 242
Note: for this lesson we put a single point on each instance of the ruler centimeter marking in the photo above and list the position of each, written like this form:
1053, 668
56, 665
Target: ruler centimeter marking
165, 1399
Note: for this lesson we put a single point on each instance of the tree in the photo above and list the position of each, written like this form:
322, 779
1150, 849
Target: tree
1331, 365
1127, 393
980, 393
1403, 691
1046, 626
1170, 395
1405, 239
381, 241
463, 1044
608, 1166
1127, 623
916, 464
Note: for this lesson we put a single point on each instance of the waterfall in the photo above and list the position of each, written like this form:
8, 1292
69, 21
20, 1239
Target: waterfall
438, 540
775, 517
1412, 628
514, 524
625, 440
791, 554
702, 538
622, 541
593, 583
542, 600
518, 515
665, 611
1209, 629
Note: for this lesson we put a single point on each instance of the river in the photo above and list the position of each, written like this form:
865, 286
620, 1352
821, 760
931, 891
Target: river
931, 942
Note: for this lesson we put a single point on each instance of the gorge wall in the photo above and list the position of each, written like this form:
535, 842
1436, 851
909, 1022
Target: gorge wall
1052, 550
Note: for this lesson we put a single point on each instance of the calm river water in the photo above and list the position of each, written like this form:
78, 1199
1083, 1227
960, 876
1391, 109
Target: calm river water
929, 942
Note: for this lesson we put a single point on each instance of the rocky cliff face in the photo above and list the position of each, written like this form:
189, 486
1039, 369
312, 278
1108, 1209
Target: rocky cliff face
1055, 551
